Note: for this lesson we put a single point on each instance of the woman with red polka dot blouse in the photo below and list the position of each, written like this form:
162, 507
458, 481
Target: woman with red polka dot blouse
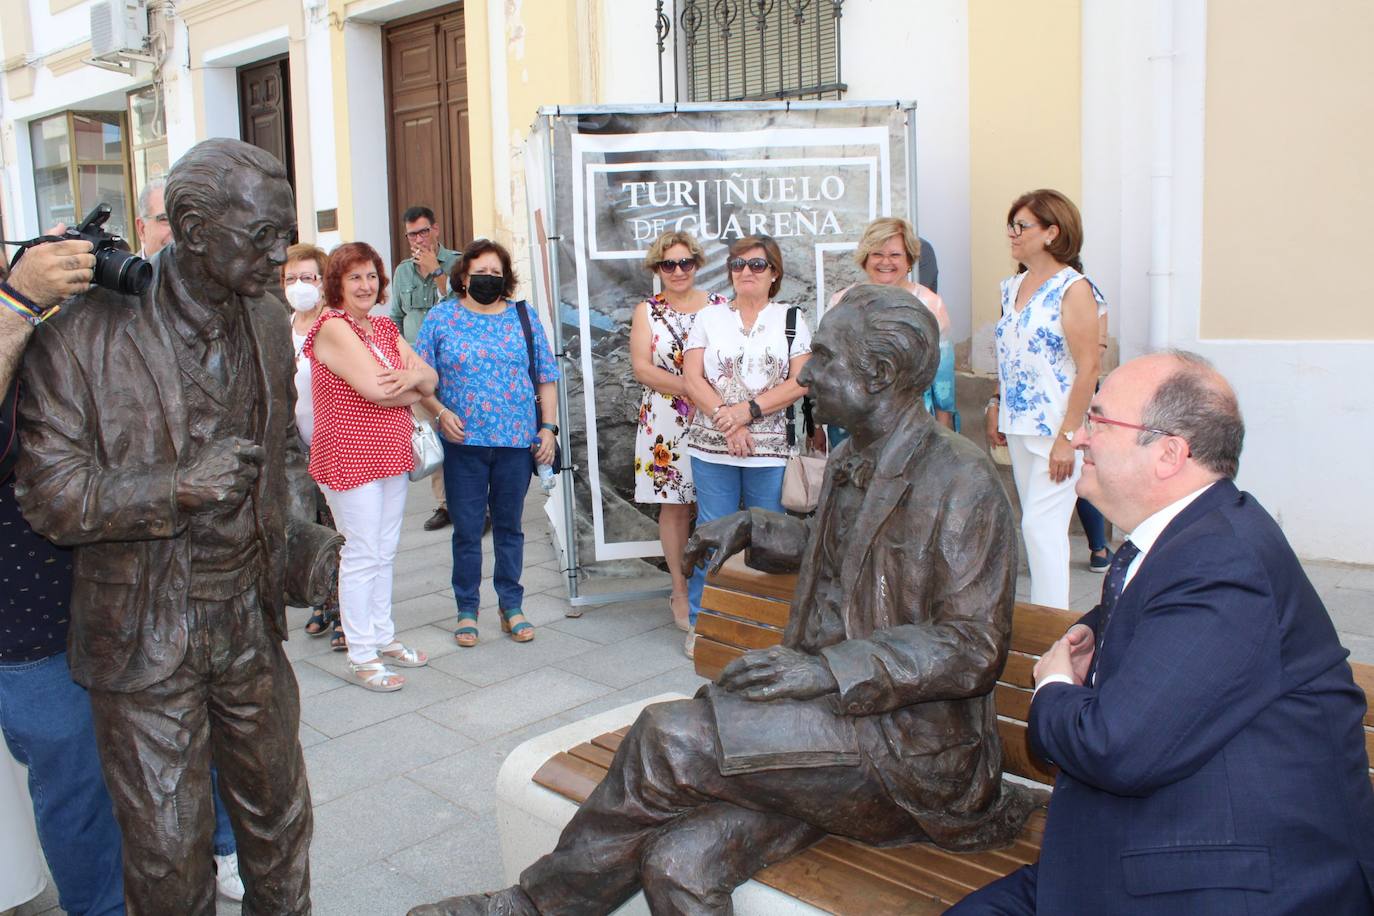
364, 377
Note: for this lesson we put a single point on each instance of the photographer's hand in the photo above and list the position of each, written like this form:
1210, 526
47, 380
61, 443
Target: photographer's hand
222, 473
53, 271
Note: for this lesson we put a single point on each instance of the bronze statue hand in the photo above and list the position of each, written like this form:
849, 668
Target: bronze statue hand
727, 536
778, 673
222, 473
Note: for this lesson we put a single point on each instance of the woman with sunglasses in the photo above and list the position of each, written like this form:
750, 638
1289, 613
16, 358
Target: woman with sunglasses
658, 336
1047, 365
740, 368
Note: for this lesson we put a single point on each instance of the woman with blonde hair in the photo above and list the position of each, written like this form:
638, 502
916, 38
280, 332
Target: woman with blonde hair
1047, 364
887, 252
658, 341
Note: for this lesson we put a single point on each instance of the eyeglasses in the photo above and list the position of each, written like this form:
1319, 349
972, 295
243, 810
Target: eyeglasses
1090, 420
1016, 227
686, 265
158, 218
757, 265
265, 236
418, 234
303, 278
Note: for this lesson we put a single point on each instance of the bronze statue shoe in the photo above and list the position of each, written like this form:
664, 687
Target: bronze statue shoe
509, 902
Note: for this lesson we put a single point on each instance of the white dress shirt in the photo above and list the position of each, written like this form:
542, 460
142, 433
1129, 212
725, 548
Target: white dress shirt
1143, 537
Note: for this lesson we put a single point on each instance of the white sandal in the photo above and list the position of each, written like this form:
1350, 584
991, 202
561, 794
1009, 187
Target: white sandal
375, 676
397, 654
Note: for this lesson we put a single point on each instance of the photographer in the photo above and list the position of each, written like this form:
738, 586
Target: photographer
46, 717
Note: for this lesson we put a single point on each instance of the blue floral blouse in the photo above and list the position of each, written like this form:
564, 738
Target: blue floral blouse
483, 368
1034, 364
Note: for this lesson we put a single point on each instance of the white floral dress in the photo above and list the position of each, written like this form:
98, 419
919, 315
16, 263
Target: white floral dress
663, 473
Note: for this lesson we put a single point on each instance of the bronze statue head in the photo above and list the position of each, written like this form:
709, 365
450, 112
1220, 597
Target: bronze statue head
877, 346
232, 212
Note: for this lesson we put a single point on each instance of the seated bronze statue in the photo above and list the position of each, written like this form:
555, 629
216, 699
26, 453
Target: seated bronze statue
874, 719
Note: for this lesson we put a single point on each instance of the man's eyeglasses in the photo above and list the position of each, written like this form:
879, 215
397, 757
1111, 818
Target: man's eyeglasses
1090, 420
418, 234
686, 265
303, 278
757, 265
1016, 227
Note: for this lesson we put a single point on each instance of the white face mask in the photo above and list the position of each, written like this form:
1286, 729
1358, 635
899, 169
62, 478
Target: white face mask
302, 296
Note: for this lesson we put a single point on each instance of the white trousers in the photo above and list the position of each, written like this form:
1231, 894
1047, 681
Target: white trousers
369, 518
1046, 507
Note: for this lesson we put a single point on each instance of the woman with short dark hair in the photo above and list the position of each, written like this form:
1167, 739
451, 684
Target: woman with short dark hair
740, 369
496, 425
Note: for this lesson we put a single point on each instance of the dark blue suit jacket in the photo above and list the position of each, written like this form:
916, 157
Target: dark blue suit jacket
1218, 766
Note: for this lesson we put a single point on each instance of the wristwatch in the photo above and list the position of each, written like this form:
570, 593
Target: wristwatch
435, 274
755, 410
551, 427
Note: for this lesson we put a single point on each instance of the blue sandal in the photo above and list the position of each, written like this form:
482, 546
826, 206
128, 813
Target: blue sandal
466, 636
520, 632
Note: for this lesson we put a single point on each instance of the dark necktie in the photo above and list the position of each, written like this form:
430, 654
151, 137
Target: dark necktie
1112, 587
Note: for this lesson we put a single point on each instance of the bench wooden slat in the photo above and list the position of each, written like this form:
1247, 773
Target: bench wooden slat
597, 756
610, 741
1369, 745
1034, 627
736, 632
969, 870
569, 776
833, 885
1364, 676
911, 879
1012, 702
1020, 670
1016, 754
712, 657
735, 575
769, 611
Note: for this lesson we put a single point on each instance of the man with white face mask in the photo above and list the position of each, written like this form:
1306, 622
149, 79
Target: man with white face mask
302, 279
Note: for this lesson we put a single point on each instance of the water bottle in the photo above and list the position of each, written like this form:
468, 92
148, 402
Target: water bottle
546, 477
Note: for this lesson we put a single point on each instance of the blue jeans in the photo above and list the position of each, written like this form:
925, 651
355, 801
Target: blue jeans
224, 833
478, 478
1094, 525
726, 488
46, 720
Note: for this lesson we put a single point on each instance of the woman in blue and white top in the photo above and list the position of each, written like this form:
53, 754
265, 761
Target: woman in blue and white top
1047, 364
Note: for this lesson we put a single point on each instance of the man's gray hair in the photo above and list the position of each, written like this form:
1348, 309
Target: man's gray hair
897, 328
196, 185
1197, 404
146, 195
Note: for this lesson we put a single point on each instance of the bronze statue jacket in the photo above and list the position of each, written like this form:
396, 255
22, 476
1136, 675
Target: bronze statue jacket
927, 585
103, 424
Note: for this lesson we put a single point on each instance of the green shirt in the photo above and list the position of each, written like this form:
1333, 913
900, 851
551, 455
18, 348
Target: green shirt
412, 296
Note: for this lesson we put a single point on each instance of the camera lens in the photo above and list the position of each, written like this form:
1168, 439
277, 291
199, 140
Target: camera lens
122, 271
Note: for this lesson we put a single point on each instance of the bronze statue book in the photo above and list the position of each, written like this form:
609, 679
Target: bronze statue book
781, 734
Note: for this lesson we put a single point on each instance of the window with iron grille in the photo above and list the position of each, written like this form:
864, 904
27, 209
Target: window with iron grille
735, 50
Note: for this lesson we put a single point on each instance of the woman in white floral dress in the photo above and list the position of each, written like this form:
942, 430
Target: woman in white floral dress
1047, 365
658, 335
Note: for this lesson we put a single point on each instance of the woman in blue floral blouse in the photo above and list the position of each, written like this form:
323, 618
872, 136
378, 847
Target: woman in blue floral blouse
1047, 365
485, 410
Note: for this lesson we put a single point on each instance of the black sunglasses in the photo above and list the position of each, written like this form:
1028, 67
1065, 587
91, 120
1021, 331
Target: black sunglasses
757, 265
686, 265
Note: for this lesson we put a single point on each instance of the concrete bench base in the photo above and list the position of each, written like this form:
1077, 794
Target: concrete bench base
530, 817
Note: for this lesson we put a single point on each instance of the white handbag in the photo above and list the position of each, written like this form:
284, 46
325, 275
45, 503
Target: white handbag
801, 482
425, 447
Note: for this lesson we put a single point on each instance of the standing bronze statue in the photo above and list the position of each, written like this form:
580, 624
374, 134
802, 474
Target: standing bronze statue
159, 440
874, 719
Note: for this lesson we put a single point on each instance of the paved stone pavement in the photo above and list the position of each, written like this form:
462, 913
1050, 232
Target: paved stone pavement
403, 783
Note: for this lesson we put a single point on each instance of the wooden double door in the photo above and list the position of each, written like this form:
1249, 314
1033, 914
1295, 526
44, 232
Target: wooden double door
428, 143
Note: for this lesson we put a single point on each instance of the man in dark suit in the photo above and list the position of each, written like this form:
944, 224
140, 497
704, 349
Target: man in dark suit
899, 627
1203, 716
159, 441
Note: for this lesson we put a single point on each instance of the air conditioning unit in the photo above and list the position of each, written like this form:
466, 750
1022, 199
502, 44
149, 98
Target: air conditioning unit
118, 27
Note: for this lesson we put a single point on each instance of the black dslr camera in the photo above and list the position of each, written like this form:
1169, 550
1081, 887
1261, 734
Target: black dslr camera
116, 267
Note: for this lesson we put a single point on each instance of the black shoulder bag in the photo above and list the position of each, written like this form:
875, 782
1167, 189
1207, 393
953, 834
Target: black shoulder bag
522, 310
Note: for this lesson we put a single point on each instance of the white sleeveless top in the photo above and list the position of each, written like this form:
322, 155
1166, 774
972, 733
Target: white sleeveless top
1033, 359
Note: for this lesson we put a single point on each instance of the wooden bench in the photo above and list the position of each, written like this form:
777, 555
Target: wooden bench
744, 609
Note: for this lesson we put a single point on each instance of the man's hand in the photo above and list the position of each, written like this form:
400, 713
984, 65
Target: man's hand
222, 474
54, 271
778, 673
1071, 654
426, 261
726, 536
